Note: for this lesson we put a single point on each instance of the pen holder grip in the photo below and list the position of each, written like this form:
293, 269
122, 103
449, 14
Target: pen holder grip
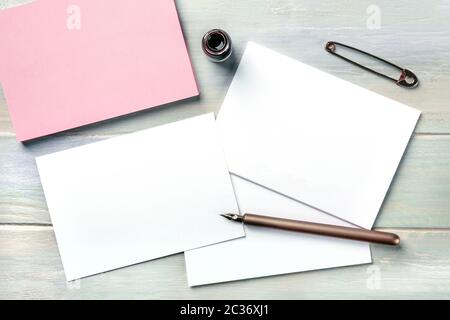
323, 229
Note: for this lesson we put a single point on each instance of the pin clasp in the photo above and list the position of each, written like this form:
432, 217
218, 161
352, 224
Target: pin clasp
408, 79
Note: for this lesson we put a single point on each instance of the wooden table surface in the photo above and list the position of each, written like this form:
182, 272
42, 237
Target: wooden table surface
414, 34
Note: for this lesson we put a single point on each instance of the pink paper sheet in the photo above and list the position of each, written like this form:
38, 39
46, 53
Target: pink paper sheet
68, 63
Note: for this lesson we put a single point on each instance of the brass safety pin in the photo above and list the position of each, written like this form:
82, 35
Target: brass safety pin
407, 78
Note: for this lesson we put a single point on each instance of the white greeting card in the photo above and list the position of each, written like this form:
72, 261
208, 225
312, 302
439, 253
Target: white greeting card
312, 136
264, 251
139, 197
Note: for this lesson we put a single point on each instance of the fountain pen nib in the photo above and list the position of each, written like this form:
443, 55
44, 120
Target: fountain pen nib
233, 217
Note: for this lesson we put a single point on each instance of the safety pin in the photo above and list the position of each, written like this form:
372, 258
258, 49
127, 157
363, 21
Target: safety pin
407, 78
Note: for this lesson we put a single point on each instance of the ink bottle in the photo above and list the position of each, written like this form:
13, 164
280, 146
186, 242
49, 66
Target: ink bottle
217, 45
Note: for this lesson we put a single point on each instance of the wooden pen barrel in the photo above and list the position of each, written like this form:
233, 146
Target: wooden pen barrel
323, 229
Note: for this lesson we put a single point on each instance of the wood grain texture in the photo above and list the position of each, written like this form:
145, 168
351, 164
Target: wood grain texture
414, 34
419, 195
31, 268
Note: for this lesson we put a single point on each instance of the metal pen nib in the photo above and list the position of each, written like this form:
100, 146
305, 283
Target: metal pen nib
233, 217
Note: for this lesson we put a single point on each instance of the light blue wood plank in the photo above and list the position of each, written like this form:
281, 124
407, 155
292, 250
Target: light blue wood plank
31, 269
419, 196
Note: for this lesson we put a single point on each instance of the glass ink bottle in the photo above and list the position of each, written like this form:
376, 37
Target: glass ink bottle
217, 45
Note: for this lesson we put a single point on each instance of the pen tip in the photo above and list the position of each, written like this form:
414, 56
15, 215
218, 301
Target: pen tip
232, 216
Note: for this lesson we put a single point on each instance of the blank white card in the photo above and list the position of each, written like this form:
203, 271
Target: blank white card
312, 136
139, 197
264, 251
325, 144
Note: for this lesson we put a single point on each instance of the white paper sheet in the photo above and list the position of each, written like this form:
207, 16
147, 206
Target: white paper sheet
312, 136
315, 138
265, 252
139, 197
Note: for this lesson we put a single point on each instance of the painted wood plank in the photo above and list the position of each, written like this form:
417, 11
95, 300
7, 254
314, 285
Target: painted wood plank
420, 268
414, 35
419, 195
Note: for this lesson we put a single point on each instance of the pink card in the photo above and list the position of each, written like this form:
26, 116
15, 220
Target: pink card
68, 63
